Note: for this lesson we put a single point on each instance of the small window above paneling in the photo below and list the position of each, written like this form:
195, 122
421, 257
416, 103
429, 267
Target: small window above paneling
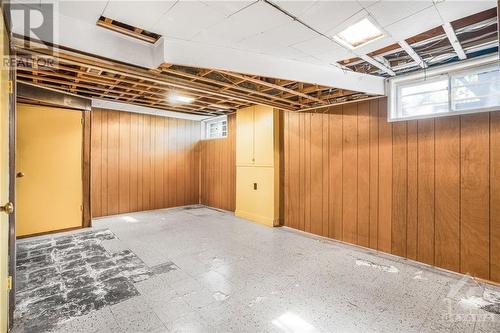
467, 87
215, 128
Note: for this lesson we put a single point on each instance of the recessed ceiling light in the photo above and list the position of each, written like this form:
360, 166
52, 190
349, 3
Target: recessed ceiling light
176, 98
358, 34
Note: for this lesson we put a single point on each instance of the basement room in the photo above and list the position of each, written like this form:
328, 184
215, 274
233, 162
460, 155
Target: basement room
249, 166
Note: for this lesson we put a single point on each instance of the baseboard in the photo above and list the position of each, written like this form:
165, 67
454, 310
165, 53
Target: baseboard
264, 220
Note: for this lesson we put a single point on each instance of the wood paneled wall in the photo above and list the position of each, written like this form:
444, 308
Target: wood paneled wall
141, 162
428, 190
218, 170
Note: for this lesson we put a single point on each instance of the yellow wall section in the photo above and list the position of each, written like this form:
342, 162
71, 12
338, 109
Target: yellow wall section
257, 161
4, 177
49, 153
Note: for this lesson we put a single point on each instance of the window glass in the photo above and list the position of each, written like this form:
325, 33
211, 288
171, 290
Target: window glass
216, 128
476, 90
473, 90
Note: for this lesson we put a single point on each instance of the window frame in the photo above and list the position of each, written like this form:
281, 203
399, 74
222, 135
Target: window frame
394, 85
206, 127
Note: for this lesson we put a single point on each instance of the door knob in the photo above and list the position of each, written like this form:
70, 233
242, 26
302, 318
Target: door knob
20, 174
8, 208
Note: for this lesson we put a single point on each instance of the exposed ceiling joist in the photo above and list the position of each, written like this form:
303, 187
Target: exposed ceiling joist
452, 37
213, 92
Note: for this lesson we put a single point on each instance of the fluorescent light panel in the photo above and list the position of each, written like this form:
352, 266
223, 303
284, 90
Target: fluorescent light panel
358, 34
176, 99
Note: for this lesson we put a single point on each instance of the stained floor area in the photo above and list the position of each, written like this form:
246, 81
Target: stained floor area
196, 269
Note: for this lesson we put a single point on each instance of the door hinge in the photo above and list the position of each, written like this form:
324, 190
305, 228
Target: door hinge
11, 87
9, 283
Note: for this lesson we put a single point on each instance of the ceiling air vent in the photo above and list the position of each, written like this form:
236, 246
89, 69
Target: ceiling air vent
128, 30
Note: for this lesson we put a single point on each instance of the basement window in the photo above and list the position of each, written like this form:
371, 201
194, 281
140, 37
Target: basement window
452, 91
215, 128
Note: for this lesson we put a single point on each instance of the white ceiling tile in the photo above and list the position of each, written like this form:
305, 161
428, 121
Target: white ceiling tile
332, 57
285, 52
452, 10
389, 12
375, 45
296, 8
367, 3
228, 8
252, 20
415, 24
321, 45
282, 36
88, 11
326, 15
186, 19
141, 14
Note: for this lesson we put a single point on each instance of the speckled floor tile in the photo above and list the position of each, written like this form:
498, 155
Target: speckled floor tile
204, 270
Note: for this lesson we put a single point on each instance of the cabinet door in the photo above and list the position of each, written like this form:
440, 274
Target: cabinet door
245, 136
264, 136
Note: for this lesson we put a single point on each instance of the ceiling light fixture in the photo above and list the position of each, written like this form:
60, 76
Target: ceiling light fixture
176, 99
359, 34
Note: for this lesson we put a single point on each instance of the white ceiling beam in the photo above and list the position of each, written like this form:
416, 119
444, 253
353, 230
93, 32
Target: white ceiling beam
411, 52
452, 37
377, 64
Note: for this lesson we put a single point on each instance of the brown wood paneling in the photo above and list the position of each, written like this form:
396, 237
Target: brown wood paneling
317, 174
374, 118
475, 200
131, 158
364, 174
350, 173
96, 164
447, 193
384, 179
399, 188
218, 169
112, 148
495, 196
425, 189
428, 190
412, 190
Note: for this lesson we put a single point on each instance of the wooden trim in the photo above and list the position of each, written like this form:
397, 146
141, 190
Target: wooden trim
12, 185
52, 97
86, 179
48, 232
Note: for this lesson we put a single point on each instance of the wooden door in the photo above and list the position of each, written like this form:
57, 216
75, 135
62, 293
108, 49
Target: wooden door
49, 169
4, 177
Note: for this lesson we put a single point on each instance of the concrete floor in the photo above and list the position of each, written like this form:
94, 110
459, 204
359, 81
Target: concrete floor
225, 274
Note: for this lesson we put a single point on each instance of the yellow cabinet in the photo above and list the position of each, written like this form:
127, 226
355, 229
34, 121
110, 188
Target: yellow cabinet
257, 164
264, 135
244, 137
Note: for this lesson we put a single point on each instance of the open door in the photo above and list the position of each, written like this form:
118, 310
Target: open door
6, 207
